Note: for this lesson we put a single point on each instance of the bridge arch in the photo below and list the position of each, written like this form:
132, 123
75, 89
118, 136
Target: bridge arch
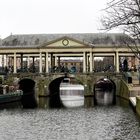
105, 92
56, 100
28, 99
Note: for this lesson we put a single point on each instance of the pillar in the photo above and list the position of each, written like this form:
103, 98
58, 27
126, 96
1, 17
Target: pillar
28, 61
47, 62
58, 61
84, 61
15, 63
7, 60
91, 62
21, 57
33, 65
56, 64
117, 61
53, 61
40, 62
87, 62
10, 63
3, 60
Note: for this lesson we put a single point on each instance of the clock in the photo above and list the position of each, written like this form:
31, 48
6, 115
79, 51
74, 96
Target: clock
65, 42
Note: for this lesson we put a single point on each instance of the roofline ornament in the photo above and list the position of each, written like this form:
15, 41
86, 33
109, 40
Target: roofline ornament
65, 42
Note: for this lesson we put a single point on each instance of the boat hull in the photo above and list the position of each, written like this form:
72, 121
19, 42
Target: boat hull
10, 97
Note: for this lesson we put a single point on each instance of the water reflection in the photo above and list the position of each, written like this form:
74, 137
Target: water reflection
104, 97
88, 102
43, 102
104, 92
11, 105
72, 95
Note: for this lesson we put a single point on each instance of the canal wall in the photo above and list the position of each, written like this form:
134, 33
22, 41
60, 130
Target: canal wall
124, 90
138, 105
129, 90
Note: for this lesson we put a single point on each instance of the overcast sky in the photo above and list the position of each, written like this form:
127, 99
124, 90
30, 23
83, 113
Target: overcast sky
50, 16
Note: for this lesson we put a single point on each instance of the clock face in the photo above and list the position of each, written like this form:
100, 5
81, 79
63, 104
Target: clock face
65, 42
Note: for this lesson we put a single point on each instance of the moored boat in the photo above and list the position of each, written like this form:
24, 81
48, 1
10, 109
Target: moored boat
11, 96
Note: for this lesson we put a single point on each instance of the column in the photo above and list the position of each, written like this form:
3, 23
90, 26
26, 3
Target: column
56, 64
53, 61
7, 60
84, 61
28, 61
50, 64
21, 57
93, 66
33, 64
117, 61
58, 61
87, 62
3, 61
10, 61
47, 62
91, 62
40, 62
15, 63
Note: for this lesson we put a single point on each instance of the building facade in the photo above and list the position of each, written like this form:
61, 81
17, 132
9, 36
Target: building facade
47, 52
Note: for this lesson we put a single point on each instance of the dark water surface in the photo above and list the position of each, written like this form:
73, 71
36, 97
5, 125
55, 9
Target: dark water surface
118, 122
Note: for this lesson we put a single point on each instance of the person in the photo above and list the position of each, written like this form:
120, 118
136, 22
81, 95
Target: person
125, 64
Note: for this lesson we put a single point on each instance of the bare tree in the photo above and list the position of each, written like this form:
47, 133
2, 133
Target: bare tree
126, 15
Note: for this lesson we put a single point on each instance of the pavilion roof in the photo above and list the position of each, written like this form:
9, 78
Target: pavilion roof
35, 40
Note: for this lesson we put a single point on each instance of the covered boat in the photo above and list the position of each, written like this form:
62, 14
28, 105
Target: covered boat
11, 96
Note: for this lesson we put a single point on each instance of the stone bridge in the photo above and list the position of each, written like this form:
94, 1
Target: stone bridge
86, 79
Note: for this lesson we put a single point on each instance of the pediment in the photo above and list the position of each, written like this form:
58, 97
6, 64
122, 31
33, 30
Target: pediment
65, 42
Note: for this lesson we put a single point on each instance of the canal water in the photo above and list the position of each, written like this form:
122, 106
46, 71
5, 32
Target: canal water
111, 122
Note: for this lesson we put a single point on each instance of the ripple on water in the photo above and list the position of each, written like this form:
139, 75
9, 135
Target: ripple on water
98, 123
